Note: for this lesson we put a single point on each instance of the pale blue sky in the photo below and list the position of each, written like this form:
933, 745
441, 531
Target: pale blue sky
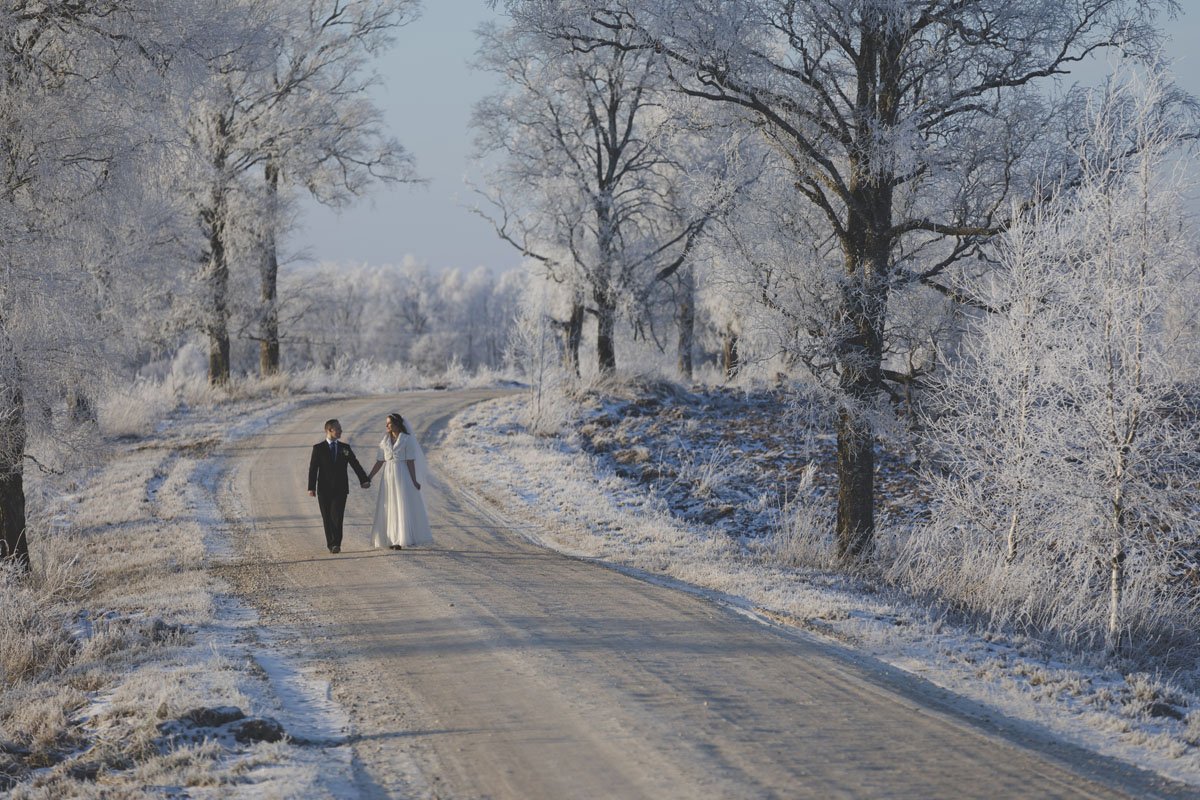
427, 98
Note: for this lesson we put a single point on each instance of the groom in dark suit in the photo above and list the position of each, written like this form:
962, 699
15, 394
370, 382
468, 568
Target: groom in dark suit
328, 483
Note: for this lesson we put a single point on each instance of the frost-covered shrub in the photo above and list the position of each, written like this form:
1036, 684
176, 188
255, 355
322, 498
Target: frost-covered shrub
535, 348
34, 618
805, 528
1065, 454
134, 409
705, 472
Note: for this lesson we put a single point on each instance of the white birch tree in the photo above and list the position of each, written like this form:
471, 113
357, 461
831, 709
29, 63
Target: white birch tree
1070, 477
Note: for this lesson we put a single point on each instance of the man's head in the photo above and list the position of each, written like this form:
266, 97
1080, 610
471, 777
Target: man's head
333, 429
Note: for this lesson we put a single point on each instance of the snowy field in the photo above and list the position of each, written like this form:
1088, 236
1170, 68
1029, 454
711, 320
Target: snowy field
640, 485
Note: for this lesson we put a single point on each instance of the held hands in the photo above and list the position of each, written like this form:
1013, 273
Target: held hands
312, 493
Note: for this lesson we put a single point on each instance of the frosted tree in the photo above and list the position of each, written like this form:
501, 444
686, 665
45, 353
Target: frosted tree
286, 105
79, 110
320, 131
534, 347
393, 314
1070, 480
585, 172
683, 287
725, 179
477, 309
909, 127
222, 119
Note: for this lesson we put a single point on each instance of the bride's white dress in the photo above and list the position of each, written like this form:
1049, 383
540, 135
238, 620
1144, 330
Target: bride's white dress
400, 516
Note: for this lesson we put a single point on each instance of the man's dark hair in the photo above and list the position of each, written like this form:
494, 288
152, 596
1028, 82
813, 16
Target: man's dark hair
329, 423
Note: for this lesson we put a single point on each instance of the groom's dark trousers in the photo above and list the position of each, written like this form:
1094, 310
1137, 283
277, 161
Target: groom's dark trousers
327, 476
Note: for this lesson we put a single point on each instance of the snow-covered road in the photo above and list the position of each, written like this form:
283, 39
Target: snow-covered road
485, 666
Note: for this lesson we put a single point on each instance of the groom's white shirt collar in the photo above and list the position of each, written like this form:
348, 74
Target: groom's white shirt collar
329, 440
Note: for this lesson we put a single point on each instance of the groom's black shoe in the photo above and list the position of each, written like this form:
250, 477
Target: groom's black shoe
335, 549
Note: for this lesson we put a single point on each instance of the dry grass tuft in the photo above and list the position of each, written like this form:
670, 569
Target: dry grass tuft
34, 635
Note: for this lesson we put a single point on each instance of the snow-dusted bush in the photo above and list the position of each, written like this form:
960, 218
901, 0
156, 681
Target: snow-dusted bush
705, 472
536, 349
34, 624
1068, 486
804, 529
135, 409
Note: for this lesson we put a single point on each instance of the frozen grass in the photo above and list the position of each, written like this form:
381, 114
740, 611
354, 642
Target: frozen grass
34, 617
802, 533
620, 488
705, 472
78, 651
119, 629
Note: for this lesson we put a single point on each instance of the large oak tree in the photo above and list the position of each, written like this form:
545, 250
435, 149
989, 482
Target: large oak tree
912, 128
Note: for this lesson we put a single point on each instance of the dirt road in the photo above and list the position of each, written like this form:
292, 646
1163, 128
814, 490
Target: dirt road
485, 667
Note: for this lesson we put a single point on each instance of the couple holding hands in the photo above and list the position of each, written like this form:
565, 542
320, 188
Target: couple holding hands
400, 518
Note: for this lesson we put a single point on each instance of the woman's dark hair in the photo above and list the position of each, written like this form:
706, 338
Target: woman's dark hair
398, 423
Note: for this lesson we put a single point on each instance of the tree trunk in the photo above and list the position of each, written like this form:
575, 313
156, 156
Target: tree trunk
15, 547
215, 217
268, 343
80, 409
1023, 413
685, 317
12, 505
1116, 574
731, 361
1010, 542
606, 319
574, 336
866, 244
860, 358
602, 294
1116, 586
218, 324
856, 485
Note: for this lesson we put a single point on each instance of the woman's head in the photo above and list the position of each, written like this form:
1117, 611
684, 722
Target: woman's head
395, 424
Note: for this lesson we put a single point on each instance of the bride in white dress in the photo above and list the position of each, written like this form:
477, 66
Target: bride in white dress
400, 518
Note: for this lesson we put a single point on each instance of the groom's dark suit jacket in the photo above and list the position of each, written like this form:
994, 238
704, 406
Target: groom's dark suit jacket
327, 478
